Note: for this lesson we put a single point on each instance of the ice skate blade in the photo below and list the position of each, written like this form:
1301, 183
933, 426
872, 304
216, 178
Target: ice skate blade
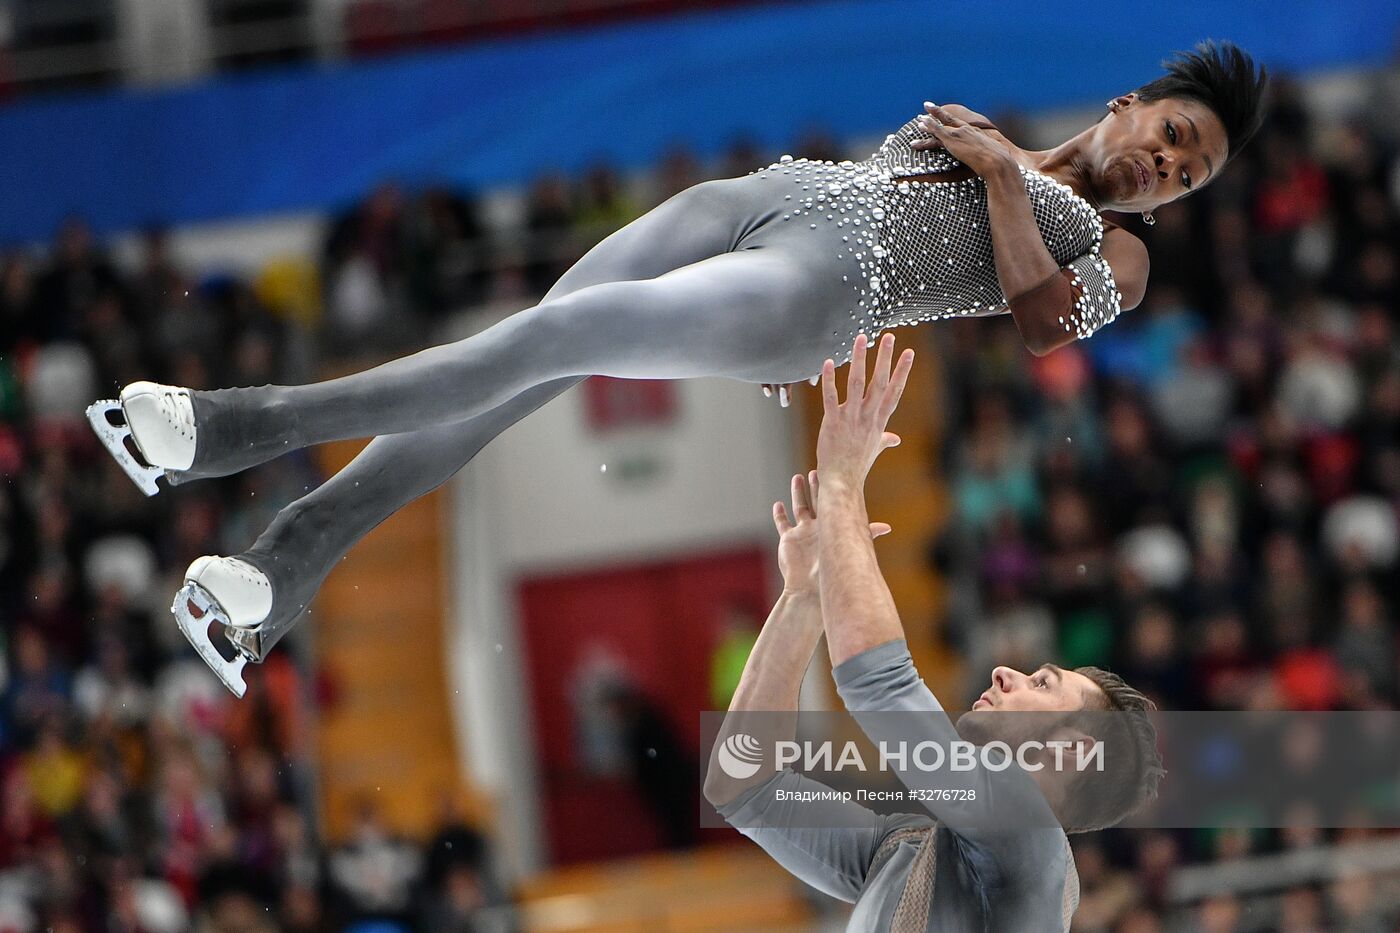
113, 437
197, 631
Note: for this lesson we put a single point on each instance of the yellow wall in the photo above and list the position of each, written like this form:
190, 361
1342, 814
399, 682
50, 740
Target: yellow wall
905, 490
379, 637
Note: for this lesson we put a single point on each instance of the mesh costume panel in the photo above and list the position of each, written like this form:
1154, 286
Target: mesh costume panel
925, 248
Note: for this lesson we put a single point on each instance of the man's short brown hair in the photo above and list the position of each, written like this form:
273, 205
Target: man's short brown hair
1103, 798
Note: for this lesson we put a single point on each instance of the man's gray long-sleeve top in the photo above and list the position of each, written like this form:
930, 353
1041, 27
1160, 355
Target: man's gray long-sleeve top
985, 878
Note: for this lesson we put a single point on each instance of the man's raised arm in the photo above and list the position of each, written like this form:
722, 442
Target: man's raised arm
772, 677
856, 604
829, 848
872, 667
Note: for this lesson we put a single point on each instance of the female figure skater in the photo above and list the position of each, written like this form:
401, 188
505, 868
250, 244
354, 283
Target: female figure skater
759, 278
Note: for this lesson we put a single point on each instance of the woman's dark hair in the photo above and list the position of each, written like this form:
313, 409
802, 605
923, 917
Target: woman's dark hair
1222, 76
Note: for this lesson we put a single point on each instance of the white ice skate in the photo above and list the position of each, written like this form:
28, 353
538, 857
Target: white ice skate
159, 419
233, 593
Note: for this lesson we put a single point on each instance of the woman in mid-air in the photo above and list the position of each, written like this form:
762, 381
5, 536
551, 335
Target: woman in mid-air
759, 278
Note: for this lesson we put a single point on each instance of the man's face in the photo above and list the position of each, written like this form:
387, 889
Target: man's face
1048, 689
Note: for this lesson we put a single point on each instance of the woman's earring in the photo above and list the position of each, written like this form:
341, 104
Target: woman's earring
1148, 219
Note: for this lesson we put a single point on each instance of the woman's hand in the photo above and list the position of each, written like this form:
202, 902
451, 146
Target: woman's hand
797, 535
970, 145
784, 390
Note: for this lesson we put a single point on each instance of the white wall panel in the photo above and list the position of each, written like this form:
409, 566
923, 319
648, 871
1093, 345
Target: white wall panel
537, 501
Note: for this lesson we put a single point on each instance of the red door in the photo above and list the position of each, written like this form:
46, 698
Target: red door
647, 630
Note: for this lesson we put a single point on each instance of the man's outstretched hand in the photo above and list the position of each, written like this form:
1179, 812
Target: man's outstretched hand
853, 433
797, 536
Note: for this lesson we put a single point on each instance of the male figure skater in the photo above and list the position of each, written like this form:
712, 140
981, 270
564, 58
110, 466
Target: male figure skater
990, 855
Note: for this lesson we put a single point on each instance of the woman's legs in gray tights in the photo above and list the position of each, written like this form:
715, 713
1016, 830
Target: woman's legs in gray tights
309, 536
751, 315
666, 298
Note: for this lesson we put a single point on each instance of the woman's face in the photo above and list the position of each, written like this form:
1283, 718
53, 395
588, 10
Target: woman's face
1144, 155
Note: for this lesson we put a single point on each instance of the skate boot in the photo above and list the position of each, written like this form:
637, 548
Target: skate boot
236, 596
159, 419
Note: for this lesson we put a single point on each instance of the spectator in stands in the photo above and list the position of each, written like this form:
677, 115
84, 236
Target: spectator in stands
107, 687
450, 266
664, 773
1153, 657
1106, 891
604, 205
1194, 399
817, 142
375, 870
366, 261
679, 169
997, 471
157, 285
77, 276
549, 231
742, 156
458, 844
18, 318
1076, 561
1364, 647
1141, 484
1352, 904
39, 687
456, 903
1291, 196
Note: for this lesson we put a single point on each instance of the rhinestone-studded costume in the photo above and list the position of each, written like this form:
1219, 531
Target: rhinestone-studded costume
758, 278
925, 248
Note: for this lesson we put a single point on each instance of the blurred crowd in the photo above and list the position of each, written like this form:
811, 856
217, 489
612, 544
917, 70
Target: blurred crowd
1203, 498
396, 265
135, 795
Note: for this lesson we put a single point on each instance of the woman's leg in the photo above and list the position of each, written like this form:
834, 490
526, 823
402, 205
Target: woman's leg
309, 536
768, 314
761, 314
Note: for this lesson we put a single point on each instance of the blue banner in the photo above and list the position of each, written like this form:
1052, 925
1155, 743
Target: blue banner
317, 137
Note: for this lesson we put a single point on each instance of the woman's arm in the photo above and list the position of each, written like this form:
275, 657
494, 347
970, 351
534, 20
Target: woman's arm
1053, 313
1023, 262
1040, 295
1127, 256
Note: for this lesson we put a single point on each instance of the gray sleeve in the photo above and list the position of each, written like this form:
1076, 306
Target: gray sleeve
1001, 819
830, 849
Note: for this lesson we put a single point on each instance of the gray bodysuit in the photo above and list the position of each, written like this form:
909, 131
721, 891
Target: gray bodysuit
924, 249
759, 278
980, 879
